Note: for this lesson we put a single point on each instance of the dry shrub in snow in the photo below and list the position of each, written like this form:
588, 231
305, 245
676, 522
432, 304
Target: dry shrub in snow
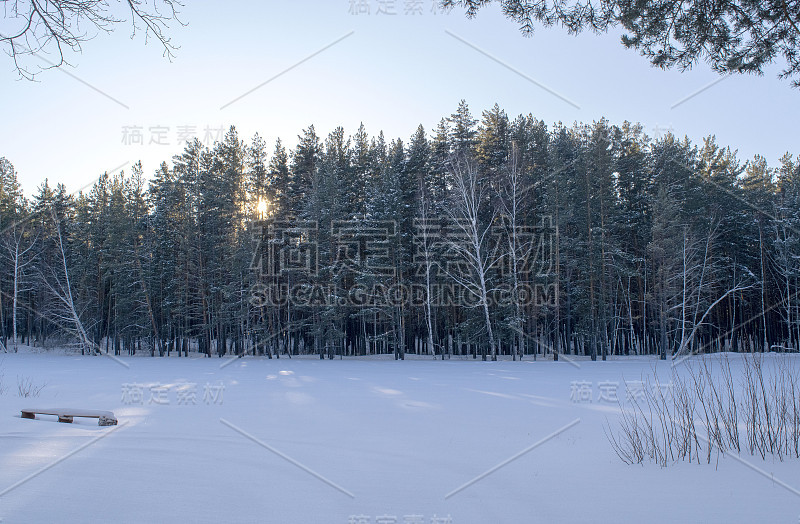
707, 414
27, 388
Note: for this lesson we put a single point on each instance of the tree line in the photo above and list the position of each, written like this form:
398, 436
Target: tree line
622, 243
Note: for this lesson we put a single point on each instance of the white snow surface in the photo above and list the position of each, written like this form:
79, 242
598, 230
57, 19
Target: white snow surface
353, 440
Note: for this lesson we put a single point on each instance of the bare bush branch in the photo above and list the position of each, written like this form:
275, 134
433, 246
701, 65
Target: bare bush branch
47, 29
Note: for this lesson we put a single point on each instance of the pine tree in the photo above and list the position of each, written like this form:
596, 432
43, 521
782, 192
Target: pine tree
278, 173
462, 130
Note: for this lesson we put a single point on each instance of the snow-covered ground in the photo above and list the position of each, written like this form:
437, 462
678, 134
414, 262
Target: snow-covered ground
355, 440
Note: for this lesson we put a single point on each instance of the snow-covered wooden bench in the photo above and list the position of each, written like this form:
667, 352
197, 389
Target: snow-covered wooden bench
104, 418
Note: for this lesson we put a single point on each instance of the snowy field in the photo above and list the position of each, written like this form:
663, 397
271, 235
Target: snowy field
367, 441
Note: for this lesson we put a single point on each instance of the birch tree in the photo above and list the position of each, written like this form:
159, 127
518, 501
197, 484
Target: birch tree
20, 252
474, 242
57, 279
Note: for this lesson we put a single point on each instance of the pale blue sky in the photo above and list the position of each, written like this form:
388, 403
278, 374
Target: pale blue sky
392, 73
